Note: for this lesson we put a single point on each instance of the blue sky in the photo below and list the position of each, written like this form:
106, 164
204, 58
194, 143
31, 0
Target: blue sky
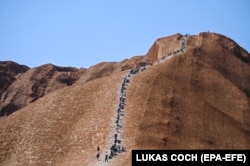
82, 33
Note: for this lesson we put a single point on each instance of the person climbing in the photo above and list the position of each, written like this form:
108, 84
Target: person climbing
97, 156
112, 153
123, 149
98, 148
119, 148
106, 157
115, 138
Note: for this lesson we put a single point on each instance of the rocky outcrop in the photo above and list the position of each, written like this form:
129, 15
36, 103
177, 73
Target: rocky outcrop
162, 47
19, 88
198, 99
107, 68
165, 45
9, 71
35, 83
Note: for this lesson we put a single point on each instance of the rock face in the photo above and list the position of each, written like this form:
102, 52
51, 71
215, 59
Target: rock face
107, 68
162, 47
196, 99
35, 83
20, 85
9, 71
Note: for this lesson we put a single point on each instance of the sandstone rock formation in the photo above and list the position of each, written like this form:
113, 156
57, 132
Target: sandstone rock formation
19, 88
196, 99
9, 71
107, 68
35, 83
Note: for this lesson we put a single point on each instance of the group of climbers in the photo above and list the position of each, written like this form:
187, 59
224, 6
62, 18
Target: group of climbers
117, 147
183, 46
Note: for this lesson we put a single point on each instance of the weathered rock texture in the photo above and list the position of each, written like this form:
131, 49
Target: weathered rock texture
20, 85
198, 99
107, 68
9, 71
35, 83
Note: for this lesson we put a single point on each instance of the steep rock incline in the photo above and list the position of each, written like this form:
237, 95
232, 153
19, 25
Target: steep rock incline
107, 68
64, 127
198, 99
195, 100
162, 47
36, 83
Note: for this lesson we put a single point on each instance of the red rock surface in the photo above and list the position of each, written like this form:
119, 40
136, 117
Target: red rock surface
107, 68
19, 88
9, 71
198, 99
35, 83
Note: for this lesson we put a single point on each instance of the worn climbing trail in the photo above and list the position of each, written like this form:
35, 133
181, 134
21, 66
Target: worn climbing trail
116, 146
181, 50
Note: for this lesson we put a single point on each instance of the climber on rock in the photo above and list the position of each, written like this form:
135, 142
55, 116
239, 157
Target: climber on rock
98, 148
97, 156
106, 157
